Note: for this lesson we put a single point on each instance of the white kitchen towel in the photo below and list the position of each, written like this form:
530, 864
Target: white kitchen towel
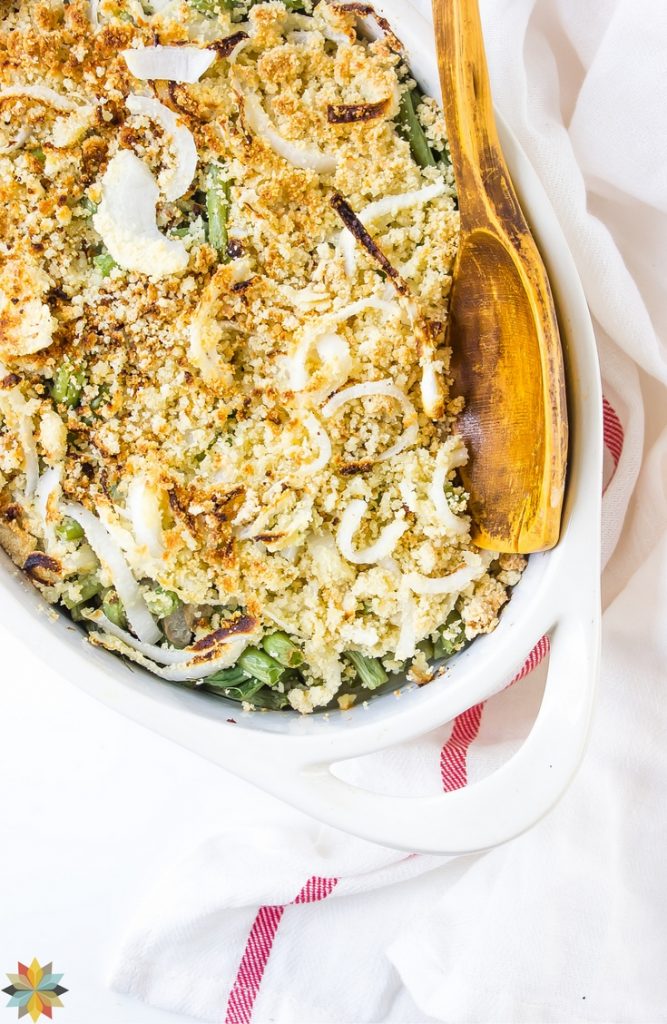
304, 924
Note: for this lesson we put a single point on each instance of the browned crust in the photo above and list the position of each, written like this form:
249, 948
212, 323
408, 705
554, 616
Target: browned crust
182, 101
429, 335
225, 47
235, 249
18, 543
244, 625
177, 503
354, 225
354, 113
269, 538
225, 506
356, 468
12, 513
42, 568
241, 286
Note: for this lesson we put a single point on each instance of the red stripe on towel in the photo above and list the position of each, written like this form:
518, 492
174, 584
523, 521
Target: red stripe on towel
614, 435
454, 754
316, 889
258, 948
253, 962
535, 658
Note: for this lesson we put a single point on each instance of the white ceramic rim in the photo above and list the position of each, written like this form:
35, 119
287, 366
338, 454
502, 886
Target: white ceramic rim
291, 756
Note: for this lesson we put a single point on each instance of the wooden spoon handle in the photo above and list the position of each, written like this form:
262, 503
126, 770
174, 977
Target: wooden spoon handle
479, 164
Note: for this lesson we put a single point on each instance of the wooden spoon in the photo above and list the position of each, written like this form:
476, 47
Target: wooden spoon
507, 358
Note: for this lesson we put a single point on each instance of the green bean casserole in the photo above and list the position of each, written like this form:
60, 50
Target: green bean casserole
227, 442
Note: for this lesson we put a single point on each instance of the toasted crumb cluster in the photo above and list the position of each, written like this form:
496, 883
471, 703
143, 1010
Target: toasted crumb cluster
179, 378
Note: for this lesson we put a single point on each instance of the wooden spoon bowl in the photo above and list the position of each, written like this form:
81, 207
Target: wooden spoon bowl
507, 360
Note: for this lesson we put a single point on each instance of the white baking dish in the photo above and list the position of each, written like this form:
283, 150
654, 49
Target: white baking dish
291, 756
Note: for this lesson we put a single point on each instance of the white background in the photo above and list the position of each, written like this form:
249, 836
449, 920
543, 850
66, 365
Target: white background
92, 807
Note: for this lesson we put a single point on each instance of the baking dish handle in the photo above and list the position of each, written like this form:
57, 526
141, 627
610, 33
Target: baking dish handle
499, 807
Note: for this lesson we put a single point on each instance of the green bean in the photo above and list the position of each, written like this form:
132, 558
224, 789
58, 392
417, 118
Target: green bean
218, 195
172, 601
161, 602
369, 670
291, 5
101, 398
283, 650
105, 263
69, 529
88, 205
270, 700
444, 646
88, 588
180, 232
113, 609
211, 8
262, 667
427, 649
67, 386
413, 130
39, 155
234, 676
234, 684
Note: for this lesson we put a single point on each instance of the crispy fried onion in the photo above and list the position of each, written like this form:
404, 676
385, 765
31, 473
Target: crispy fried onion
230, 47
407, 611
169, 63
285, 536
448, 458
18, 412
339, 316
332, 349
386, 389
213, 653
387, 207
126, 219
143, 510
47, 494
310, 159
432, 382
319, 438
356, 113
367, 13
383, 546
473, 568
174, 181
208, 330
307, 26
42, 568
113, 559
22, 136
356, 230
46, 95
